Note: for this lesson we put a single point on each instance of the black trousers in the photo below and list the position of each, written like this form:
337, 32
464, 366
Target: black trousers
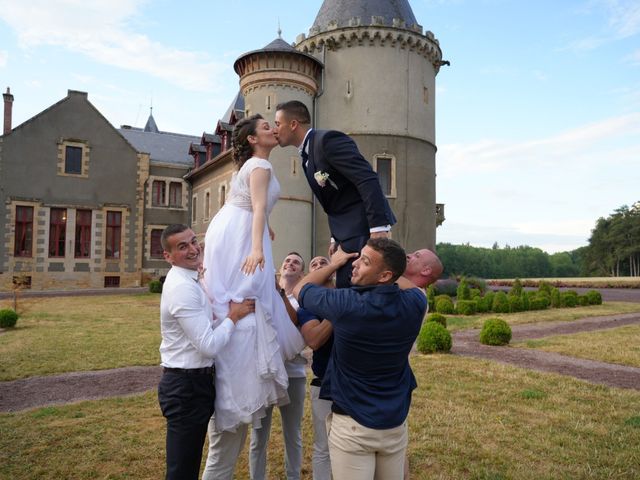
343, 274
187, 402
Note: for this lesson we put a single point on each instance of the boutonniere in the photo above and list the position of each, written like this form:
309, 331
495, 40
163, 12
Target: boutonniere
322, 178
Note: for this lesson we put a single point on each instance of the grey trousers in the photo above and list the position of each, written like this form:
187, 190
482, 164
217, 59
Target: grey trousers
292, 432
224, 449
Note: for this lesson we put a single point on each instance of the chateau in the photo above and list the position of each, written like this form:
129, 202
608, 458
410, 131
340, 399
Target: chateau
85, 209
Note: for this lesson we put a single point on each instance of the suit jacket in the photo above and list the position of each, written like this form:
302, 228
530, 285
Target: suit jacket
351, 195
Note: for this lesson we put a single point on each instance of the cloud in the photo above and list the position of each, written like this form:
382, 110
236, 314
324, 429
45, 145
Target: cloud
4, 58
101, 30
569, 149
559, 227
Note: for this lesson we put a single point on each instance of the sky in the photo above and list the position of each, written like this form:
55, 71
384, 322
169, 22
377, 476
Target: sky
537, 118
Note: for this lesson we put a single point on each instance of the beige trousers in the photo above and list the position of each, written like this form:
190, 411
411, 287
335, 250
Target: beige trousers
361, 453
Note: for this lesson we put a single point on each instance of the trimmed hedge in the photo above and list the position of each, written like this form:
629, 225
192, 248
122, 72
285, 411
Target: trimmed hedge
463, 292
500, 303
437, 317
569, 299
8, 318
495, 331
433, 337
594, 296
444, 305
467, 307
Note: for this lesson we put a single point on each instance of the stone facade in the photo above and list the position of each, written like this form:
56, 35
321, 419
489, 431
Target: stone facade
71, 194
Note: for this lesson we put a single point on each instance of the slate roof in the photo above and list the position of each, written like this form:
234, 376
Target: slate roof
341, 11
163, 147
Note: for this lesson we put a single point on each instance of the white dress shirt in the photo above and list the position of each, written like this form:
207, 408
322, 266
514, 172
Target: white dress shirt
189, 339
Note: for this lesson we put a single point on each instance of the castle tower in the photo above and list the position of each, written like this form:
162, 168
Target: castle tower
379, 87
275, 74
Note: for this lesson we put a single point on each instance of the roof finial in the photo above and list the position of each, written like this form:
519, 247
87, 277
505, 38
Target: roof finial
279, 29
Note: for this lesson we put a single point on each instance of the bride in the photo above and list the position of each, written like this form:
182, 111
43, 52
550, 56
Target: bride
250, 373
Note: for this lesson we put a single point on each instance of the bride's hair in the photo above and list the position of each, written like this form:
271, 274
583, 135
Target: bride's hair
241, 148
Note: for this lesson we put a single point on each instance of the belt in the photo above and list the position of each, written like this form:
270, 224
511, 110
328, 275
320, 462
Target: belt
316, 382
191, 371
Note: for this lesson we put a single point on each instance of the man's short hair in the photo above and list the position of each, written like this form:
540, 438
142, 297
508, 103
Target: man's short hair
298, 255
169, 232
295, 110
393, 255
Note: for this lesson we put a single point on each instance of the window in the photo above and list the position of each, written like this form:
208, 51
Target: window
383, 167
112, 282
24, 231
175, 194
157, 192
156, 244
114, 227
57, 231
194, 202
73, 160
223, 195
83, 233
207, 205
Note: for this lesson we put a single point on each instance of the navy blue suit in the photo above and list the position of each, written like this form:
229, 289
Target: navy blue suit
351, 196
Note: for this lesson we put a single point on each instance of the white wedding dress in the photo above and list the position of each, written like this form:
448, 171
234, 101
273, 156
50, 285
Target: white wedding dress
250, 373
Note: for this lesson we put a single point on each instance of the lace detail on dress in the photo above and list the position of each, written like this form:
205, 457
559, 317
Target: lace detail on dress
240, 194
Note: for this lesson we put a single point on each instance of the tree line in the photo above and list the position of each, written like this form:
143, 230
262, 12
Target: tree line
613, 250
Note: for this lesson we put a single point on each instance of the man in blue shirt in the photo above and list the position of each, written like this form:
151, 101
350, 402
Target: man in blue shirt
368, 378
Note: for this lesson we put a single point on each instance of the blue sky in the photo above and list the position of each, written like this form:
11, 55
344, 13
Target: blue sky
538, 116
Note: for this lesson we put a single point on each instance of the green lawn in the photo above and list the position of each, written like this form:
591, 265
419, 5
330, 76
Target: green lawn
616, 345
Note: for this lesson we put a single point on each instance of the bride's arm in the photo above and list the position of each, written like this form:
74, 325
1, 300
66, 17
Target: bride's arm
258, 184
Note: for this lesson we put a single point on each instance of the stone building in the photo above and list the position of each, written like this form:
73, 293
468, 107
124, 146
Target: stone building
72, 195
367, 68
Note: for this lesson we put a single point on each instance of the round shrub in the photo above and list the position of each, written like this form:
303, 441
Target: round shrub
500, 303
483, 304
594, 297
438, 318
545, 287
431, 295
433, 337
444, 305
489, 299
568, 299
467, 307
475, 293
538, 303
155, 286
526, 296
495, 331
8, 318
583, 300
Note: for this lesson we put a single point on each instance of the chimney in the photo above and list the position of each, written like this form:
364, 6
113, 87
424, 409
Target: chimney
8, 107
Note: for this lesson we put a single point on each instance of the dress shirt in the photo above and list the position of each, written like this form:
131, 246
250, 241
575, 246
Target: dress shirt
186, 323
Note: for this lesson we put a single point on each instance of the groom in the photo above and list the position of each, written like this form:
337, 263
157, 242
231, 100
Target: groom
341, 179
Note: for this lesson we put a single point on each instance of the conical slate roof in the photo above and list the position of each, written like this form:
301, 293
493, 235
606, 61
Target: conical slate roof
342, 11
151, 124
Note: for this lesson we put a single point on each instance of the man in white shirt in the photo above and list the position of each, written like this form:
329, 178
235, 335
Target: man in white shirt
291, 271
190, 342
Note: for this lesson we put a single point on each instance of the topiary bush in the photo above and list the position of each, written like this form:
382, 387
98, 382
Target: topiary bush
583, 300
515, 303
495, 331
155, 286
555, 298
500, 303
444, 305
545, 287
538, 302
516, 288
569, 299
438, 318
433, 337
483, 304
8, 318
467, 307
463, 292
594, 297
431, 295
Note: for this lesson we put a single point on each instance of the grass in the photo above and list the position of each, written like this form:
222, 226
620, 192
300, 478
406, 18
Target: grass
469, 419
554, 314
602, 345
66, 334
